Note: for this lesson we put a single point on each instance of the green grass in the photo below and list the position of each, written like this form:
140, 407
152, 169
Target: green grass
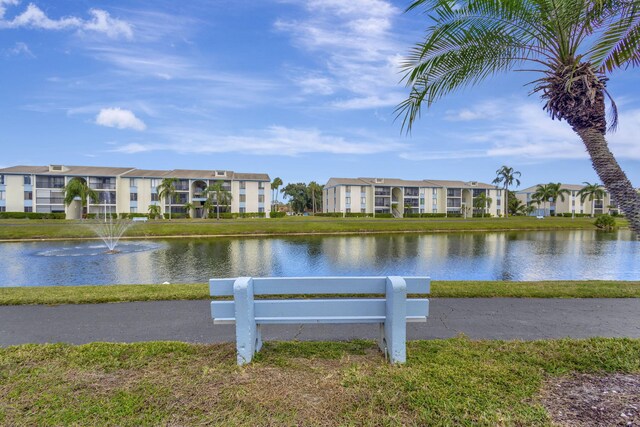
439, 289
445, 382
58, 229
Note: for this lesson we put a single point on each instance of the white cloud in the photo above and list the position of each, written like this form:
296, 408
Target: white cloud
34, 17
526, 132
274, 140
118, 118
353, 43
19, 49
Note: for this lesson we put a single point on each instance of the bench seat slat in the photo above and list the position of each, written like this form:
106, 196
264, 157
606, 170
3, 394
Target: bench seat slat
365, 310
319, 285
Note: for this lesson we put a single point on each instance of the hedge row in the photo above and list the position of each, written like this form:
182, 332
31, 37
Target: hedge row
32, 215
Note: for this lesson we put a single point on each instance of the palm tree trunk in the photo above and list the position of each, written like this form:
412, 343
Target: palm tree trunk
612, 176
506, 200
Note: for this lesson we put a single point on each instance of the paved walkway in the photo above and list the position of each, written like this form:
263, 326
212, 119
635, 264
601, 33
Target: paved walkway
478, 318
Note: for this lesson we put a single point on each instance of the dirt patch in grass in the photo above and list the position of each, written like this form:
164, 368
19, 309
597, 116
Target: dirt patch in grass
593, 400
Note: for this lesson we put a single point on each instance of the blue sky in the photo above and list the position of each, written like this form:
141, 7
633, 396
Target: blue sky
304, 90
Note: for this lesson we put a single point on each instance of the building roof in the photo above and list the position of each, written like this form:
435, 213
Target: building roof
66, 170
131, 172
570, 187
429, 183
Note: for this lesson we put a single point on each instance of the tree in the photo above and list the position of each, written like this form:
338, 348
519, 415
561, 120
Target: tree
316, 195
277, 182
517, 207
206, 207
557, 192
592, 192
166, 191
543, 194
78, 187
573, 44
187, 207
299, 196
507, 177
220, 195
483, 202
154, 211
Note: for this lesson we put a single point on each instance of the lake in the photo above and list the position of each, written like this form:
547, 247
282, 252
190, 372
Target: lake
529, 255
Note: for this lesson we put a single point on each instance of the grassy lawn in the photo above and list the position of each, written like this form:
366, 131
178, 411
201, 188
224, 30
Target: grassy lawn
445, 382
439, 289
50, 229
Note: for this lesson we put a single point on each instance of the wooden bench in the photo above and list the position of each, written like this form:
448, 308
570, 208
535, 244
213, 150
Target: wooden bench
392, 311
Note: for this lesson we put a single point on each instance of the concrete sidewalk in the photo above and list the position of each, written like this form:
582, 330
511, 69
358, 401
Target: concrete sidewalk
478, 318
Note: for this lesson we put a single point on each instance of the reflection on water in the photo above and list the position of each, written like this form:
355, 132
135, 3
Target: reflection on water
535, 255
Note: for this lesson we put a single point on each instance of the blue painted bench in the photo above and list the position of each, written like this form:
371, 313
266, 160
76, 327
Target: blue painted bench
392, 312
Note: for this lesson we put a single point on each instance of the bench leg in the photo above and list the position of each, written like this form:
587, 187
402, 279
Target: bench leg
258, 337
247, 335
382, 345
395, 326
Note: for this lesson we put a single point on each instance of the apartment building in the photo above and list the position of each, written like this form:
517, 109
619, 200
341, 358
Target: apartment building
128, 190
399, 196
571, 203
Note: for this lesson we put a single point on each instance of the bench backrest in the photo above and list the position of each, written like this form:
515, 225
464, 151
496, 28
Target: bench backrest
333, 310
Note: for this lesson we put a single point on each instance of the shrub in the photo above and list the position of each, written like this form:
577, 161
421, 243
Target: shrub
424, 215
175, 216
605, 222
94, 216
277, 214
32, 215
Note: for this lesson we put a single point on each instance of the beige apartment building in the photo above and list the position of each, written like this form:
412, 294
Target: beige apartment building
571, 203
128, 190
399, 196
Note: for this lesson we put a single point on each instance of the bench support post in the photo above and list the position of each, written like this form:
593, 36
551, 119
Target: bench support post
395, 325
248, 339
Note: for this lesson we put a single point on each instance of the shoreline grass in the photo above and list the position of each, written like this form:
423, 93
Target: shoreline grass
439, 289
445, 382
11, 230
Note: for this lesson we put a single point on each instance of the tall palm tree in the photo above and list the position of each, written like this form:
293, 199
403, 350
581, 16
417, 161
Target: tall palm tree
573, 44
482, 201
166, 191
277, 182
557, 192
188, 207
219, 193
316, 190
592, 192
507, 176
78, 187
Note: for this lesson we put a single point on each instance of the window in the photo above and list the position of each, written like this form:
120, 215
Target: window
260, 198
422, 200
28, 209
28, 195
434, 191
46, 181
243, 210
363, 210
155, 182
27, 180
411, 191
363, 190
363, 200
261, 185
1, 179
243, 185
348, 189
454, 203
3, 209
348, 210
102, 183
498, 201
347, 200
132, 182
133, 210
133, 197
2, 195
454, 192
243, 198
154, 197
383, 191
260, 210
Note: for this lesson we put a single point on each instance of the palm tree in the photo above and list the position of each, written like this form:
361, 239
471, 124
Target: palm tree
277, 182
507, 176
482, 201
557, 192
166, 191
220, 195
154, 211
78, 187
206, 208
316, 190
543, 194
573, 44
188, 207
592, 192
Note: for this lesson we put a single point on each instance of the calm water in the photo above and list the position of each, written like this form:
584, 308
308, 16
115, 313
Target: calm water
538, 255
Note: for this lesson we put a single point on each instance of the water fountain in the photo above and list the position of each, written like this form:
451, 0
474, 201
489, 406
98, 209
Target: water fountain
108, 228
